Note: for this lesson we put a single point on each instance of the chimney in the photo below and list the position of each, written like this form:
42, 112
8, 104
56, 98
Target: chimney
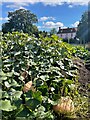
59, 28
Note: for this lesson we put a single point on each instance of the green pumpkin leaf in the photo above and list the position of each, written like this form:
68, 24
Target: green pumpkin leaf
6, 106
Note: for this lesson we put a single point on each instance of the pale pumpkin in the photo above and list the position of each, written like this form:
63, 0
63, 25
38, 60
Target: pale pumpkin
27, 86
65, 105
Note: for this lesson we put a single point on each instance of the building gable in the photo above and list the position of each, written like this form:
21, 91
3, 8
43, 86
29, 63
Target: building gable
67, 33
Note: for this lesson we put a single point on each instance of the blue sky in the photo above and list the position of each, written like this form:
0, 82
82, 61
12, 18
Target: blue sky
51, 13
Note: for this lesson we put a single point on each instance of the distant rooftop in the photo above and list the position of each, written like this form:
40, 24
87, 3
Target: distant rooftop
67, 30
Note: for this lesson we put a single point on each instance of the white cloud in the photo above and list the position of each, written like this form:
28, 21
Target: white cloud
53, 2
75, 24
22, 7
39, 27
1, 18
46, 18
17, 5
51, 24
0, 3
50, 2
70, 6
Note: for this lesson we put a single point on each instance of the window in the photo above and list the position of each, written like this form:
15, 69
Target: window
71, 35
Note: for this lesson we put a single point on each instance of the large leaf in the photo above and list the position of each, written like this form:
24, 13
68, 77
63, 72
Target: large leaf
16, 94
6, 105
32, 103
23, 112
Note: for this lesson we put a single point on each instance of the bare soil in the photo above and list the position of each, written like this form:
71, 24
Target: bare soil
84, 75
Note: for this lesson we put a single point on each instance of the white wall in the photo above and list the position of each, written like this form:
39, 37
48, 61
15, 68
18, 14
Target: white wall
67, 35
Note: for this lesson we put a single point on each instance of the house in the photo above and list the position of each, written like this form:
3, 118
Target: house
67, 33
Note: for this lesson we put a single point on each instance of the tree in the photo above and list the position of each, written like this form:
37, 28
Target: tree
43, 33
82, 32
53, 31
20, 20
89, 22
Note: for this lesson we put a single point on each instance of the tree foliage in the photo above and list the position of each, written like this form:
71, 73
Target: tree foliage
82, 32
53, 31
89, 23
21, 20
